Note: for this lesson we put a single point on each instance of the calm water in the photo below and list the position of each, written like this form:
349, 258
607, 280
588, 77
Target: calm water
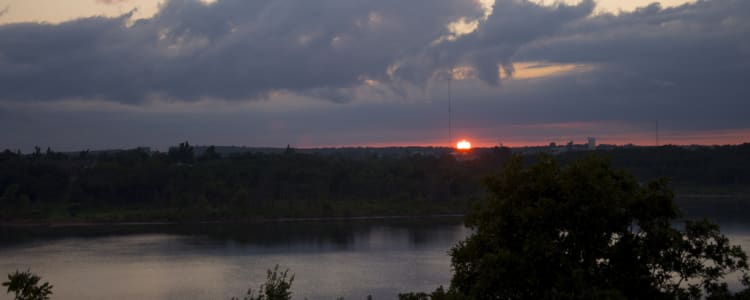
350, 259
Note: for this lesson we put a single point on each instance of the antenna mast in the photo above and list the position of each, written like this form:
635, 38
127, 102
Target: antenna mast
657, 133
450, 121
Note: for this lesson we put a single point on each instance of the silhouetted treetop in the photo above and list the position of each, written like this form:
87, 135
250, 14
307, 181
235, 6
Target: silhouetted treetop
587, 231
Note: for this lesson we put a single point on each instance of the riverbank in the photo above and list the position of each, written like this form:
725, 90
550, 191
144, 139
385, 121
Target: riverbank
62, 224
231, 212
694, 203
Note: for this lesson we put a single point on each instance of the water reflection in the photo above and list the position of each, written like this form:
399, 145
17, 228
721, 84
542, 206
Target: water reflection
331, 259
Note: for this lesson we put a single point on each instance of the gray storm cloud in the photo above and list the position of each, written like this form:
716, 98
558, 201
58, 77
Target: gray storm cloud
692, 60
511, 25
687, 66
231, 49
244, 50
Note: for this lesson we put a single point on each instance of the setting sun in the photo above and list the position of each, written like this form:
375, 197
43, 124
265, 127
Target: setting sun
463, 145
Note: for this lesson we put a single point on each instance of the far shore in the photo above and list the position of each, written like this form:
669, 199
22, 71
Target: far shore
76, 223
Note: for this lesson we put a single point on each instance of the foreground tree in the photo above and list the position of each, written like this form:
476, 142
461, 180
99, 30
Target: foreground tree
25, 286
587, 231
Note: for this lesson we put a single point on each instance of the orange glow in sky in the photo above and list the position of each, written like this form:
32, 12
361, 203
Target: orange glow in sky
463, 145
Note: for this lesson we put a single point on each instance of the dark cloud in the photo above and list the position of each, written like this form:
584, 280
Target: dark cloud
230, 49
705, 36
234, 49
659, 62
686, 66
512, 25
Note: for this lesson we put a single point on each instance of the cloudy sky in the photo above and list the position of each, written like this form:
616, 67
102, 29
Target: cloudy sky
77, 74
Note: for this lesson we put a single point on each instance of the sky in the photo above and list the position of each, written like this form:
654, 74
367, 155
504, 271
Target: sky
103, 74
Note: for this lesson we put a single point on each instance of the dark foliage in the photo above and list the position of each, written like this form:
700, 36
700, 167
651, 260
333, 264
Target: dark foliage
702, 166
190, 184
182, 153
587, 231
278, 286
439, 294
138, 185
25, 286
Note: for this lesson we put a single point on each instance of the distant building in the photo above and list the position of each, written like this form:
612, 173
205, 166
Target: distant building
592, 143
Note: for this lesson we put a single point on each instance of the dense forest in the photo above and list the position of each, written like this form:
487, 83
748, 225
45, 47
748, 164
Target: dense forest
185, 184
689, 167
137, 185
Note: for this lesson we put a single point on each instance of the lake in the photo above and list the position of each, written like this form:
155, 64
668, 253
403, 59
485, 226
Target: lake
330, 259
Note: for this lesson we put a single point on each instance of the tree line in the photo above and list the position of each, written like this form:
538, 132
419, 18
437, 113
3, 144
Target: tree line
182, 184
177, 185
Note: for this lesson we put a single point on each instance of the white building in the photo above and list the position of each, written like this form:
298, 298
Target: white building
592, 143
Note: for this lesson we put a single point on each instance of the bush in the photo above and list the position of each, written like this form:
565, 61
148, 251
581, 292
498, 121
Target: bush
25, 286
277, 287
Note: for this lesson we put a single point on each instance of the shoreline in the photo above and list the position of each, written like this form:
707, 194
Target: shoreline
63, 224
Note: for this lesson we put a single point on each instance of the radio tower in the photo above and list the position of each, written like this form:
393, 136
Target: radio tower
450, 125
657, 133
